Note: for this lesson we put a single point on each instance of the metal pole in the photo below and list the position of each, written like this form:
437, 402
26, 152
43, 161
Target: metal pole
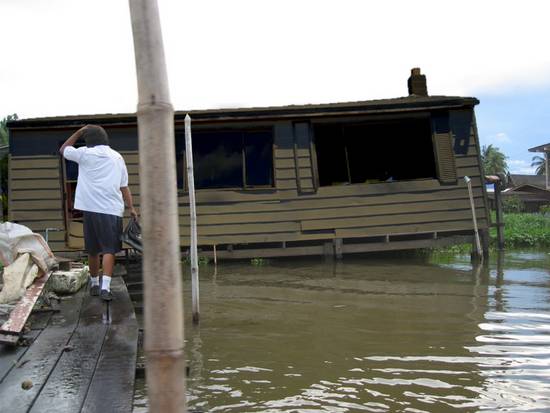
193, 220
546, 168
163, 298
478, 243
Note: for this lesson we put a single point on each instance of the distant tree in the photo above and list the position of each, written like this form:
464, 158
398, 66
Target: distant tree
540, 163
4, 129
4, 166
494, 161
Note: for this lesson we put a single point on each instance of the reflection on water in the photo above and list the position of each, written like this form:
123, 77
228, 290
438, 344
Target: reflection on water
371, 334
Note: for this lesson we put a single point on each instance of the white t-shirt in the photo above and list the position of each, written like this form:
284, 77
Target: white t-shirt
101, 174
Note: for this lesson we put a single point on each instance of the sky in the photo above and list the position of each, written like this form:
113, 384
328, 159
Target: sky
71, 57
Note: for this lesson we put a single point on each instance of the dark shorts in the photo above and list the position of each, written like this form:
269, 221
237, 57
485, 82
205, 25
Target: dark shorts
102, 233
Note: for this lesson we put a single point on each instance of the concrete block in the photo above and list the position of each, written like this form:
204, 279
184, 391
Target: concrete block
68, 282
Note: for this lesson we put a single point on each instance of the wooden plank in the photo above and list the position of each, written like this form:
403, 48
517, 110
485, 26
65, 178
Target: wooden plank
468, 171
133, 169
405, 245
421, 217
244, 228
335, 212
112, 386
11, 355
289, 163
43, 204
284, 153
254, 238
38, 194
291, 173
41, 357
34, 173
380, 188
286, 183
48, 163
306, 202
39, 184
133, 179
457, 225
219, 196
268, 252
64, 390
34, 157
37, 215
21, 312
130, 157
40, 225
466, 161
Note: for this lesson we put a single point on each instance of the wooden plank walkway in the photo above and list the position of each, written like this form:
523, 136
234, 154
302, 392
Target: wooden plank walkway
81, 358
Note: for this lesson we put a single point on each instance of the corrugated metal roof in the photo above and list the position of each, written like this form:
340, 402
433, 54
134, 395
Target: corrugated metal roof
381, 105
541, 148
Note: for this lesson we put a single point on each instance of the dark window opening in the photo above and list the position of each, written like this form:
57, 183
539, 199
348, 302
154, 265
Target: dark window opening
70, 177
374, 152
228, 159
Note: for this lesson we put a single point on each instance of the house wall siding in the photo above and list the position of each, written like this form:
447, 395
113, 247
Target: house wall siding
294, 210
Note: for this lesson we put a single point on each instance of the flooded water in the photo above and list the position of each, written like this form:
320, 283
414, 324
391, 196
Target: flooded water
373, 334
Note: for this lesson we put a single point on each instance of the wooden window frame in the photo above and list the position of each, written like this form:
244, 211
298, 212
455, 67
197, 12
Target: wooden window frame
245, 186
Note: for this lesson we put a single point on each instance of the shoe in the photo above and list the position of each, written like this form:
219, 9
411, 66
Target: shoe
94, 290
106, 295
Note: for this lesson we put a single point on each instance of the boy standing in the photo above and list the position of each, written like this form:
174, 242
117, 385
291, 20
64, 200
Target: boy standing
101, 193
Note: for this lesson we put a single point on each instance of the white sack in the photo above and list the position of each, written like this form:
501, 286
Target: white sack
17, 239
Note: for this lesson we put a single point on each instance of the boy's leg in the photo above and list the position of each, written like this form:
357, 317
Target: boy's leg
93, 264
108, 266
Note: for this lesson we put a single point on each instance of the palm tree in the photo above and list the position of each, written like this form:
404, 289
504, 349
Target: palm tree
4, 129
540, 163
494, 161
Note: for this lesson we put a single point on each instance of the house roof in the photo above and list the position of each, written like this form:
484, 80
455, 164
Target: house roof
401, 104
541, 148
538, 181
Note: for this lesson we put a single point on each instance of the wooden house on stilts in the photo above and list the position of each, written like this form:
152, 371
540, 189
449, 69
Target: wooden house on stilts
327, 179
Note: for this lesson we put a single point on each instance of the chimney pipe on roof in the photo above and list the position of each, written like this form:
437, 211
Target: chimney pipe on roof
417, 83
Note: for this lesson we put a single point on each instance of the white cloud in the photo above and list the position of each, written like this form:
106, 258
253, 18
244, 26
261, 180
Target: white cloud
70, 57
500, 137
519, 166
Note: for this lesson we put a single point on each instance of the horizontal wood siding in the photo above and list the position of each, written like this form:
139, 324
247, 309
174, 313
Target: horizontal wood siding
294, 210
35, 198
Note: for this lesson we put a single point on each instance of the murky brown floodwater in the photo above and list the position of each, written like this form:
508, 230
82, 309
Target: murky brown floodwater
371, 334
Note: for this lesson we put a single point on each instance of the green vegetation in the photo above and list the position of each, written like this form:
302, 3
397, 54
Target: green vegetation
258, 262
494, 161
513, 204
525, 230
540, 163
200, 261
521, 230
4, 165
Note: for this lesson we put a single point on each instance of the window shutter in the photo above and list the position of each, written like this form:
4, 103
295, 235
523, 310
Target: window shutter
443, 149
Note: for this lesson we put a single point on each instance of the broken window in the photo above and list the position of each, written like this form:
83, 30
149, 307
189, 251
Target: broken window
228, 159
372, 152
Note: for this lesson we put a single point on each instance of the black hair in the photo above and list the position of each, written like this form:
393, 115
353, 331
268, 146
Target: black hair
95, 135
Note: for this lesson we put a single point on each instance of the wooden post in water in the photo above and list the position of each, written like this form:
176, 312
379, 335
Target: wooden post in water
472, 205
192, 219
498, 207
163, 299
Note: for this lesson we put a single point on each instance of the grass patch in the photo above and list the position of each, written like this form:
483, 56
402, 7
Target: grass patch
525, 230
521, 230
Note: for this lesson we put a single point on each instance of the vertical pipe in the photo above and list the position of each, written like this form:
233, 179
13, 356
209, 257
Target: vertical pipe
215, 256
193, 220
498, 208
163, 299
472, 205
